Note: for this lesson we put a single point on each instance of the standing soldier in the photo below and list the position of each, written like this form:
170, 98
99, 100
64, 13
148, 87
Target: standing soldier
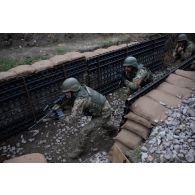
88, 102
135, 75
184, 48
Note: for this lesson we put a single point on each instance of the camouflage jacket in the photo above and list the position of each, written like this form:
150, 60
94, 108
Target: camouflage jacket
85, 104
138, 79
186, 53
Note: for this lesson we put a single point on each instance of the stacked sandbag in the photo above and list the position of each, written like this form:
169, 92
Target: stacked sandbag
128, 139
90, 54
135, 129
180, 81
60, 59
4, 76
164, 98
133, 43
28, 158
138, 119
149, 109
186, 74
23, 70
74, 55
42, 65
175, 90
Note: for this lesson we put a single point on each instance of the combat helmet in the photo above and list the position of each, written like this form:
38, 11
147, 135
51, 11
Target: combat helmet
131, 61
182, 37
71, 85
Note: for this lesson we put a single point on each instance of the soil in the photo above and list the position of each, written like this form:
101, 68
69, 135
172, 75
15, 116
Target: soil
55, 139
48, 45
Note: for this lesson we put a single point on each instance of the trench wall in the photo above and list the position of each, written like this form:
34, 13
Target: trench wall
26, 89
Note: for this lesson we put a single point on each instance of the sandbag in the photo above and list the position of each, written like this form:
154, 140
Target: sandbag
122, 147
164, 98
100, 51
116, 155
22, 70
175, 90
136, 128
112, 48
89, 54
187, 74
28, 158
149, 109
4, 76
42, 65
122, 46
129, 139
133, 43
138, 119
60, 59
74, 55
180, 81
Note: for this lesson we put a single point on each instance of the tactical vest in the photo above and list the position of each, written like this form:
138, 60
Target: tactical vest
95, 101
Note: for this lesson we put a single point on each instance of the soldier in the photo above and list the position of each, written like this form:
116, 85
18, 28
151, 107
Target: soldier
88, 102
135, 75
184, 48
192, 67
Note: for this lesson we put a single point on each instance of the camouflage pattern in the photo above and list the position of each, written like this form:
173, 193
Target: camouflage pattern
192, 67
133, 81
182, 54
102, 118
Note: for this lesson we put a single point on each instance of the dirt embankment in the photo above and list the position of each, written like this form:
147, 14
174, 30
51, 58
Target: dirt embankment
17, 49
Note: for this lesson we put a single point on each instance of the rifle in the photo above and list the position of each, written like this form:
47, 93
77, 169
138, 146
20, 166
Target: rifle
53, 110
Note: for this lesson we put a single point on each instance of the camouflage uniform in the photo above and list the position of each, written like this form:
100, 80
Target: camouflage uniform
192, 67
90, 102
134, 80
184, 54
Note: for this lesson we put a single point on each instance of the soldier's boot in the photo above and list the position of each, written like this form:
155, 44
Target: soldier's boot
111, 130
76, 153
79, 149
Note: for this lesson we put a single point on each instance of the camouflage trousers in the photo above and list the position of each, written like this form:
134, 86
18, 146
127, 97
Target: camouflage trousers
103, 121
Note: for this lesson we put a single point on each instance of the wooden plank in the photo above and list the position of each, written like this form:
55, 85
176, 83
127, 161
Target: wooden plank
116, 155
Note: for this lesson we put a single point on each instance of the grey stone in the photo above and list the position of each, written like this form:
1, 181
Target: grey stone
167, 144
151, 150
23, 141
31, 140
192, 126
18, 144
144, 156
167, 156
162, 134
184, 110
189, 157
144, 149
190, 140
193, 144
177, 147
180, 155
175, 141
176, 136
191, 113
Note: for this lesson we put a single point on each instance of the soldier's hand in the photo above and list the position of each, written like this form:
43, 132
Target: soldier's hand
180, 49
55, 107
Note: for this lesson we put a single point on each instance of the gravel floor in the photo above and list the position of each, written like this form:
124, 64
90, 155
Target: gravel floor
55, 139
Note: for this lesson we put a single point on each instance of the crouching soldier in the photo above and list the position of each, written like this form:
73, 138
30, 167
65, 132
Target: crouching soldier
184, 48
135, 75
91, 103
